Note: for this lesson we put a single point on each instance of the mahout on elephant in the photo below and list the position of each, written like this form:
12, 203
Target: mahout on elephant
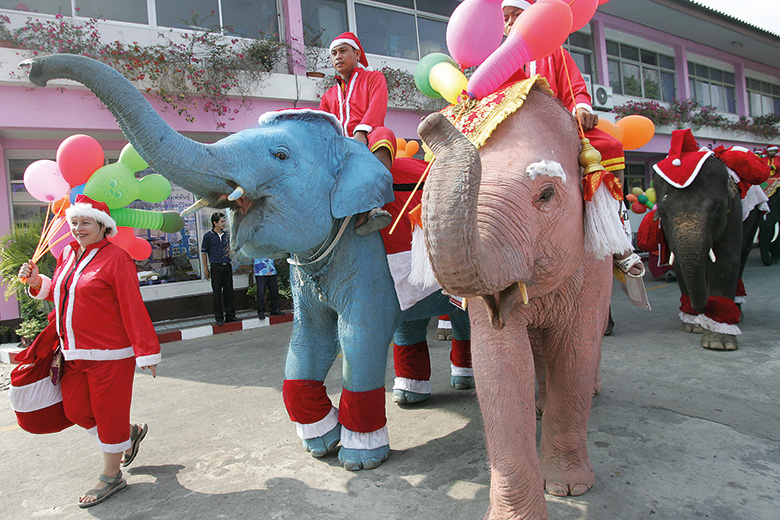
700, 194
504, 227
290, 186
768, 235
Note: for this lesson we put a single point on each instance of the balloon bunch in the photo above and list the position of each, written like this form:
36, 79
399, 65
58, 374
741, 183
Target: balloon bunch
474, 35
641, 200
633, 131
406, 149
79, 168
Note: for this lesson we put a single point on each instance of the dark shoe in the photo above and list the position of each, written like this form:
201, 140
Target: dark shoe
377, 219
219, 323
260, 316
277, 313
232, 320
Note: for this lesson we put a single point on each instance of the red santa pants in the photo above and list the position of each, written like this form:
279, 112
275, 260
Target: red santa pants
382, 137
98, 393
612, 156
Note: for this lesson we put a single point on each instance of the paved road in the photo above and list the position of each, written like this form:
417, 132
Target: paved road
678, 432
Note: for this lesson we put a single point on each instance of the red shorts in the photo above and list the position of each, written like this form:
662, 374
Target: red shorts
98, 393
612, 157
382, 137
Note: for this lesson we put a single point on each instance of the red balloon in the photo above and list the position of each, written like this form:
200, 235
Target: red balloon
638, 208
78, 157
138, 248
602, 2
582, 11
631, 197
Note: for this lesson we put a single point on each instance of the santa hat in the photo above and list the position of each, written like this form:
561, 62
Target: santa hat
522, 4
684, 161
351, 40
86, 207
772, 148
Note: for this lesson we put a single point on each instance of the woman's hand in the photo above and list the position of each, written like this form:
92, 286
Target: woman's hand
153, 368
28, 273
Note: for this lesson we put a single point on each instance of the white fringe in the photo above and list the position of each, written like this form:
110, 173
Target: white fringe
413, 385
604, 231
715, 326
421, 271
739, 299
688, 318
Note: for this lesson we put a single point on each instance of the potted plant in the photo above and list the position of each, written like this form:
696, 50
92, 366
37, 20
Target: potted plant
316, 55
30, 328
5, 334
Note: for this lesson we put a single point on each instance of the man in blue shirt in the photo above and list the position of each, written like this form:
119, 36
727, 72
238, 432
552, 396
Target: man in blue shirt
265, 276
216, 265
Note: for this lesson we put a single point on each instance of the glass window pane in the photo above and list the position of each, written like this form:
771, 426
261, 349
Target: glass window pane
614, 77
691, 69
666, 62
580, 39
583, 61
702, 71
716, 75
776, 106
388, 33
442, 7
701, 90
629, 53
766, 105
250, 18
38, 6
323, 20
776, 90
729, 78
652, 83
631, 82
718, 97
613, 49
766, 88
755, 104
399, 3
432, 36
731, 100
185, 13
649, 58
668, 86
125, 11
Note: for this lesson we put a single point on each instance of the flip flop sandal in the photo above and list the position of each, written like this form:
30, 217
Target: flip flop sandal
628, 262
101, 494
136, 436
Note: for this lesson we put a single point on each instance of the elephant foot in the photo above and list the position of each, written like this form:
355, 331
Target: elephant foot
462, 382
408, 397
355, 460
693, 328
717, 341
321, 446
444, 335
564, 477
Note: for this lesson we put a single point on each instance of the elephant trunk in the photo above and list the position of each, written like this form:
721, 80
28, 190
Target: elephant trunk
187, 163
450, 210
691, 246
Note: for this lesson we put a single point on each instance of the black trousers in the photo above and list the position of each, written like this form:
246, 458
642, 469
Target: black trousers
271, 283
222, 287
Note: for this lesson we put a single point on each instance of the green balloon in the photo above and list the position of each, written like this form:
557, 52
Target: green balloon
168, 221
116, 185
130, 158
423, 70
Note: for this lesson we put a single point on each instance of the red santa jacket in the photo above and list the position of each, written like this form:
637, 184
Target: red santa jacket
360, 103
100, 314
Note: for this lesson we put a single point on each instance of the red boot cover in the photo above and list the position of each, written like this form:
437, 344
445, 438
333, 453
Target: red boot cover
460, 355
307, 401
685, 305
412, 361
741, 288
444, 317
722, 310
363, 412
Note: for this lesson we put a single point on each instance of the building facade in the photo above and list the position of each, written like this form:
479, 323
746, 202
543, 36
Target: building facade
633, 50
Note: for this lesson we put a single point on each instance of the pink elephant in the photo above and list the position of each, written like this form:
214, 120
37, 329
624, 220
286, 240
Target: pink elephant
500, 221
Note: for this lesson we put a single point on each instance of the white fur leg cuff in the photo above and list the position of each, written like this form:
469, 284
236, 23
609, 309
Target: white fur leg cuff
319, 428
715, 326
412, 385
461, 371
364, 441
739, 299
688, 318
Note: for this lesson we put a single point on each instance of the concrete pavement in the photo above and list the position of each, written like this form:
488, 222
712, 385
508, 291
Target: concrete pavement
678, 432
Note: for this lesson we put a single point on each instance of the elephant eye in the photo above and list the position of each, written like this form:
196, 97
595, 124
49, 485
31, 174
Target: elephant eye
281, 155
546, 194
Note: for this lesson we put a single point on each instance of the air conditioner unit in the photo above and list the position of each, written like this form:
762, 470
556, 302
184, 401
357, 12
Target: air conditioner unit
602, 98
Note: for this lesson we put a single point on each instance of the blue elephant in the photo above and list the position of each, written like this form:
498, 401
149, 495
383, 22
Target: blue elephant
291, 185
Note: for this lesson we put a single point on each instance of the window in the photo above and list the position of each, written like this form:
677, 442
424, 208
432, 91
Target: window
641, 73
38, 6
25, 207
323, 20
124, 11
580, 46
764, 98
713, 87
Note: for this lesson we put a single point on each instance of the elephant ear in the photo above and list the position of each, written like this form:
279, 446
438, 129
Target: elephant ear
362, 182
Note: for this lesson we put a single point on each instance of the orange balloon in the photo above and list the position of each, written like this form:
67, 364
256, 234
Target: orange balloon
59, 207
401, 154
631, 197
400, 143
609, 127
637, 131
412, 147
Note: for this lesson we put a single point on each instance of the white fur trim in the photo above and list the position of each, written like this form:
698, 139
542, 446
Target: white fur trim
715, 326
97, 354
692, 176
86, 210
92, 431
522, 4
413, 385
364, 441
271, 115
338, 41
145, 361
545, 167
739, 299
688, 318
461, 371
408, 293
319, 428
44, 290
605, 234
421, 273
363, 128
114, 448
35, 396
586, 106
754, 198
445, 324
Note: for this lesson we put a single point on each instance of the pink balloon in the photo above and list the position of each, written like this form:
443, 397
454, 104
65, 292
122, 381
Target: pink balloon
56, 249
138, 248
582, 11
602, 2
44, 181
79, 156
474, 31
537, 32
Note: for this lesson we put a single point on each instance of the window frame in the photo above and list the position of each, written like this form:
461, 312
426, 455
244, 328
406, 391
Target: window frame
642, 66
694, 76
773, 95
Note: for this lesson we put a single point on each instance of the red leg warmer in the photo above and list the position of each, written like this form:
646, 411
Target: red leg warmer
363, 411
307, 401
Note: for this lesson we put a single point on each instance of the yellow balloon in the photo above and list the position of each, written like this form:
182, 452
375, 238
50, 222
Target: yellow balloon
428, 157
447, 81
637, 191
650, 194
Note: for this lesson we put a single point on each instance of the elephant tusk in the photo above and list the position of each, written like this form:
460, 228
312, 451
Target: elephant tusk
523, 292
712, 256
237, 194
465, 303
671, 258
200, 203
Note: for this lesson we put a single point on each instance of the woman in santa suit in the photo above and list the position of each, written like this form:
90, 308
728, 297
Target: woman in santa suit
104, 331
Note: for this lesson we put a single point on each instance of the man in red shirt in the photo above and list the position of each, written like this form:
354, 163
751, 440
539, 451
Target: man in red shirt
359, 101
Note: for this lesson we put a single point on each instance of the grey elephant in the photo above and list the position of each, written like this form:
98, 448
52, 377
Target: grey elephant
296, 181
504, 228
